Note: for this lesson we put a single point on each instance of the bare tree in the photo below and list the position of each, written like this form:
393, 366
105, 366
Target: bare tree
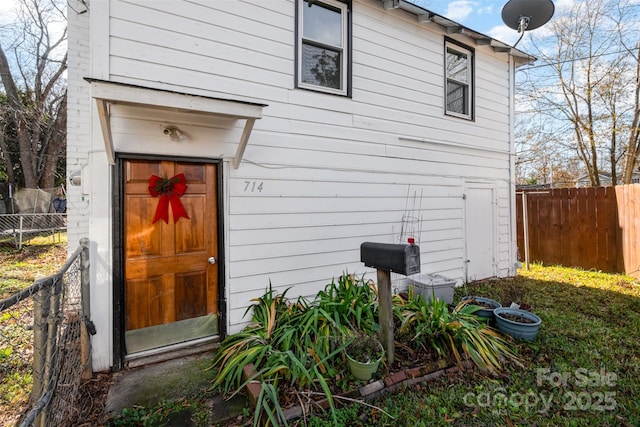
33, 62
582, 85
633, 146
543, 156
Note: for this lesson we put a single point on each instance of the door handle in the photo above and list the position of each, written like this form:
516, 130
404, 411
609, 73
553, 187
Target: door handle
212, 260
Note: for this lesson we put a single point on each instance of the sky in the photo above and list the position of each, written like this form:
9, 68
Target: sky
483, 16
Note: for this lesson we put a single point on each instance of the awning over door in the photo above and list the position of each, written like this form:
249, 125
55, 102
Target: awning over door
108, 93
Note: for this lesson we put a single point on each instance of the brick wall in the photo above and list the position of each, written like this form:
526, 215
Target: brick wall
78, 121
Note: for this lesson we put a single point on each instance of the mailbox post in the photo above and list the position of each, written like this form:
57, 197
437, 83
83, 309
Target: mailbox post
385, 258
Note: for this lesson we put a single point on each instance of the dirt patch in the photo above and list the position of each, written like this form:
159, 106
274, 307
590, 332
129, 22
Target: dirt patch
93, 397
482, 304
516, 318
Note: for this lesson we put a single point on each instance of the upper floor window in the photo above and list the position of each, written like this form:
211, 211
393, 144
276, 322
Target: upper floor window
323, 45
459, 81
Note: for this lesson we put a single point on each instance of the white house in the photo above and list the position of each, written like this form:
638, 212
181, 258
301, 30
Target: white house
605, 179
302, 128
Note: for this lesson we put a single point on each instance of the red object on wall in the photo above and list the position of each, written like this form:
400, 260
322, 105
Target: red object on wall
169, 190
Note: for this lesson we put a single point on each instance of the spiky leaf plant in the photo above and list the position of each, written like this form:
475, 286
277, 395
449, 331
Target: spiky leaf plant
297, 342
458, 332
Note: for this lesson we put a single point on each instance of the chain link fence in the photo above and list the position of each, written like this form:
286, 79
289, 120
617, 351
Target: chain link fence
17, 230
45, 347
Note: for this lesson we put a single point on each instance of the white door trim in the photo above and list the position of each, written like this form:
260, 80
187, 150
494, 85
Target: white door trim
492, 227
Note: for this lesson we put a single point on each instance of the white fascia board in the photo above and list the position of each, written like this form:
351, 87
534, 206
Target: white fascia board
106, 93
115, 93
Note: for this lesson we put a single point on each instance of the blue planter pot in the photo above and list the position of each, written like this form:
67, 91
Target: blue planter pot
486, 314
519, 330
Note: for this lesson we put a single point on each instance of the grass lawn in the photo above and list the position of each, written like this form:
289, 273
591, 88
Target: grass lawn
18, 270
583, 369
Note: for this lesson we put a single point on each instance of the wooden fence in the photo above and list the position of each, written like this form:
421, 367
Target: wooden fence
592, 228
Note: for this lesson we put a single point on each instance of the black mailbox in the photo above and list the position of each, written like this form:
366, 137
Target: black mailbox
399, 258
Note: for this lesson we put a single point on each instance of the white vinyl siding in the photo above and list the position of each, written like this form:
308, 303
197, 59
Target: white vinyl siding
333, 171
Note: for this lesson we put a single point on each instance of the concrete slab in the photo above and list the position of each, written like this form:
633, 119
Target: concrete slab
185, 377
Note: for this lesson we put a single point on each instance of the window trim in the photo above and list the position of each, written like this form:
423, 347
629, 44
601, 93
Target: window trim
470, 53
346, 26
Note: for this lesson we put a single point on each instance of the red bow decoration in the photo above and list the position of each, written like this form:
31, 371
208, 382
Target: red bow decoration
169, 191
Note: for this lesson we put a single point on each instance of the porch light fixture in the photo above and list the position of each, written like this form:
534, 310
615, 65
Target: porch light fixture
174, 133
76, 178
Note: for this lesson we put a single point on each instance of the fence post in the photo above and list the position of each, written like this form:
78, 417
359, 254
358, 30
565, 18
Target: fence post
20, 232
386, 312
53, 323
40, 314
525, 228
85, 281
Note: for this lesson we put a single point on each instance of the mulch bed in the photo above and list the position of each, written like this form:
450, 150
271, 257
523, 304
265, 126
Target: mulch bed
92, 401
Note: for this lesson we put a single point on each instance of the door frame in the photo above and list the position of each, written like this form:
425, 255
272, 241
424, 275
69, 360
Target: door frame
468, 185
118, 175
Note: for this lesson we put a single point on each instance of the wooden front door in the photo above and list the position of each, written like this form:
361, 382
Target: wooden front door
171, 269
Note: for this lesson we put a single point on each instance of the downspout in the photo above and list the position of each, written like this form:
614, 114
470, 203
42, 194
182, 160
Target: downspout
513, 263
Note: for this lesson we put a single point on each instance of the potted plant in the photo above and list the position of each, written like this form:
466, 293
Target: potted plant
518, 323
364, 354
487, 306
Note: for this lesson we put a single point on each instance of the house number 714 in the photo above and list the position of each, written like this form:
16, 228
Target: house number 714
253, 186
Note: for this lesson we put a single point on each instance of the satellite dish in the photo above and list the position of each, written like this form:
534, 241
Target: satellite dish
523, 15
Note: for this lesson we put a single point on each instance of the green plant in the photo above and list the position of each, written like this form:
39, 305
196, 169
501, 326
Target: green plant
457, 332
160, 414
347, 416
268, 406
351, 304
581, 331
132, 416
365, 348
282, 343
286, 339
267, 344
299, 342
